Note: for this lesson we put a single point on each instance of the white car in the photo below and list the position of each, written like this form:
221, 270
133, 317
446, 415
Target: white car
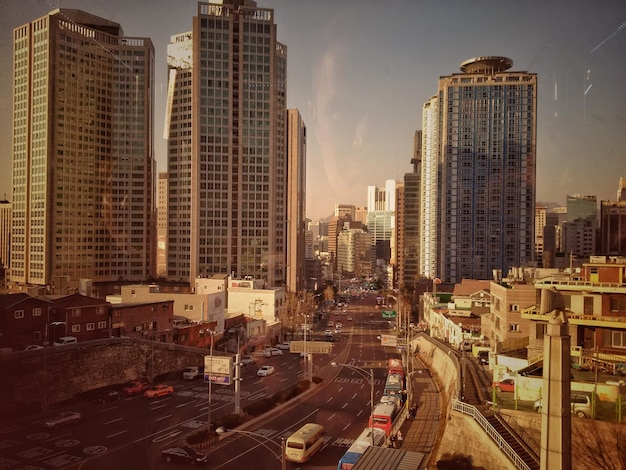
284, 345
265, 370
269, 352
247, 360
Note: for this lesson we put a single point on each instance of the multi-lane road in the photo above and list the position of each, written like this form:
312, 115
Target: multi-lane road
131, 432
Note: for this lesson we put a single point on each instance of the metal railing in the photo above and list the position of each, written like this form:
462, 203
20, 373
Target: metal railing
504, 446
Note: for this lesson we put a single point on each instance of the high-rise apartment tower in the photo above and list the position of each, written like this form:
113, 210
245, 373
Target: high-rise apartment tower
83, 158
226, 126
478, 171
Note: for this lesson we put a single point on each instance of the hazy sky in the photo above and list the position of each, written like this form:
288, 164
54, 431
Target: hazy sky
360, 70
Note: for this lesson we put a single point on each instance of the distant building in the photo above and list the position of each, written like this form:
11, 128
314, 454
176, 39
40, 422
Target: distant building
407, 222
162, 225
296, 201
613, 224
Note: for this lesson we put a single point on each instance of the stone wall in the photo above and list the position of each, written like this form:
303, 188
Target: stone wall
35, 378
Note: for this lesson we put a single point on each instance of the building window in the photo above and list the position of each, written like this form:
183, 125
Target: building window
76, 312
514, 308
618, 339
588, 305
189, 308
37, 312
102, 325
514, 327
19, 314
90, 326
618, 304
99, 310
75, 328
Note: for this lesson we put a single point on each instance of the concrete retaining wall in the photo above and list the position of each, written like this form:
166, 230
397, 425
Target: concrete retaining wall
33, 378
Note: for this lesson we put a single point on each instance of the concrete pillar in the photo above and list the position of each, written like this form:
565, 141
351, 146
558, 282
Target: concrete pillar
556, 436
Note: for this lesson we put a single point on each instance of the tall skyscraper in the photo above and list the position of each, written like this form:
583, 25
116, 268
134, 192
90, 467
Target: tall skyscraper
226, 126
83, 162
478, 171
296, 200
407, 221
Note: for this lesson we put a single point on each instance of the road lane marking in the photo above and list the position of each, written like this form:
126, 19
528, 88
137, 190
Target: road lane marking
117, 434
114, 420
163, 417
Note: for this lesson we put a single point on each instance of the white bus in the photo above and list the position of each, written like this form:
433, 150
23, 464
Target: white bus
303, 443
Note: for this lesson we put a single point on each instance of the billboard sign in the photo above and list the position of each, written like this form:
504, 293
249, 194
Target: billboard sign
218, 369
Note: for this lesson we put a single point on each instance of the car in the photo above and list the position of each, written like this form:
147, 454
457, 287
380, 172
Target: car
328, 333
581, 405
339, 325
184, 454
269, 352
63, 340
331, 323
191, 373
247, 360
265, 370
483, 357
284, 345
159, 391
62, 419
33, 347
135, 387
506, 385
107, 396
349, 318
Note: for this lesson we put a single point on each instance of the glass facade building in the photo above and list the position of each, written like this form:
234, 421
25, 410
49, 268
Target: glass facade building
226, 130
83, 156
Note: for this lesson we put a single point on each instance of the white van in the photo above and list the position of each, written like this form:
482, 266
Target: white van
63, 340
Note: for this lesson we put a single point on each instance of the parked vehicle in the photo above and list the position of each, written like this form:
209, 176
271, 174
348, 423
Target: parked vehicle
191, 373
269, 352
284, 345
483, 357
265, 370
62, 419
506, 385
247, 360
107, 396
135, 387
159, 391
63, 340
184, 454
581, 405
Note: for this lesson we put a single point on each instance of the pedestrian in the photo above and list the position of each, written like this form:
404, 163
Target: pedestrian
392, 440
399, 438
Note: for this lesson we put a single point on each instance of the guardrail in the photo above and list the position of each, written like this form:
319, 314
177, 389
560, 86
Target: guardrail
504, 446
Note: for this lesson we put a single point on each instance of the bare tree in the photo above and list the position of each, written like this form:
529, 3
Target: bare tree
298, 310
599, 445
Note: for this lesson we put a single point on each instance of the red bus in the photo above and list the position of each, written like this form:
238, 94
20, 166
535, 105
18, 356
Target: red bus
383, 416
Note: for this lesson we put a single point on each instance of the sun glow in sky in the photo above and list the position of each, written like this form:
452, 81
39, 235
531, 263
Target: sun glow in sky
359, 71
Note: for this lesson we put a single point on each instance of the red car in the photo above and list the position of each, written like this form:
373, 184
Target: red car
135, 387
506, 385
159, 391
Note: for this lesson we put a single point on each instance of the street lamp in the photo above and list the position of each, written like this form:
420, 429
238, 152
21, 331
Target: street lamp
262, 440
45, 360
210, 371
365, 374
